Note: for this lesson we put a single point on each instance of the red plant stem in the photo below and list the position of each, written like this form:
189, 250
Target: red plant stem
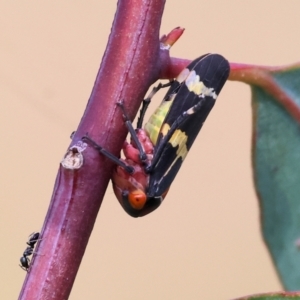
262, 76
175, 66
132, 61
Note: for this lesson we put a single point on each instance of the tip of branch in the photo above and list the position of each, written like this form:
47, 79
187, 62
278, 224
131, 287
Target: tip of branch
167, 41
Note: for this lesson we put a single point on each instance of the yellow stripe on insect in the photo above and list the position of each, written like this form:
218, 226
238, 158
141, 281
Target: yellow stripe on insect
153, 125
179, 138
194, 84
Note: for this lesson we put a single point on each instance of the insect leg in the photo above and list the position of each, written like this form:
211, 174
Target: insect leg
128, 123
109, 155
147, 101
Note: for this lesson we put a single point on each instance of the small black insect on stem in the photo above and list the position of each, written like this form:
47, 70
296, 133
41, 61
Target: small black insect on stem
24, 260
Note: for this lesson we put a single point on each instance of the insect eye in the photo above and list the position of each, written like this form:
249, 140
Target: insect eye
137, 199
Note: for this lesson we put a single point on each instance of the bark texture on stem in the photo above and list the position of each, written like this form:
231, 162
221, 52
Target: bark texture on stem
132, 61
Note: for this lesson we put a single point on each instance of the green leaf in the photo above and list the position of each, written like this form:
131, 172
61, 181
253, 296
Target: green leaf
276, 166
276, 161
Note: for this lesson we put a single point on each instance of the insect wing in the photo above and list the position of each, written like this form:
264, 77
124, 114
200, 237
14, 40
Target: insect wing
154, 124
203, 81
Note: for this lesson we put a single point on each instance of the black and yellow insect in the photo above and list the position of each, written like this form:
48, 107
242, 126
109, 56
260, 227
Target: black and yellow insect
152, 160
